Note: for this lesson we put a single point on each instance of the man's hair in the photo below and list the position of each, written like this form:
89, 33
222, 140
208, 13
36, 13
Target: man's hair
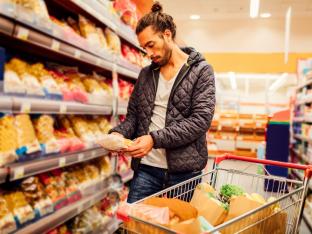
158, 20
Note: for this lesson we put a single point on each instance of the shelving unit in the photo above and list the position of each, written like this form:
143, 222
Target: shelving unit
24, 32
33, 167
96, 193
237, 133
300, 129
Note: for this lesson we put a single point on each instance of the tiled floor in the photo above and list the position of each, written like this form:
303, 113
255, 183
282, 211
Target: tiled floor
248, 182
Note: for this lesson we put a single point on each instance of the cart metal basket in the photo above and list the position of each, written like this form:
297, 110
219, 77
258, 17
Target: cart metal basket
290, 195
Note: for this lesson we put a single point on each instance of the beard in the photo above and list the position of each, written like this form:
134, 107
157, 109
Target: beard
166, 57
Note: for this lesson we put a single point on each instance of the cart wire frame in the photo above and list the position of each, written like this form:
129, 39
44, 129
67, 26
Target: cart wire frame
290, 196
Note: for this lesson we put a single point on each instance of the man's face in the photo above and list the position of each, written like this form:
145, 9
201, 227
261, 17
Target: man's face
158, 45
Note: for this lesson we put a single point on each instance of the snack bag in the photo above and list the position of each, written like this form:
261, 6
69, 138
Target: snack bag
8, 140
45, 133
113, 41
36, 196
50, 86
7, 222
114, 142
12, 81
26, 137
61, 81
19, 207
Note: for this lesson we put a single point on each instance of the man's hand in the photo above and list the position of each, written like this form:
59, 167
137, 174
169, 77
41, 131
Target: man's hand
141, 147
117, 134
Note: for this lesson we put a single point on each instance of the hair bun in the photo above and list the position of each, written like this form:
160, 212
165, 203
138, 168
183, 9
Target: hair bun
156, 7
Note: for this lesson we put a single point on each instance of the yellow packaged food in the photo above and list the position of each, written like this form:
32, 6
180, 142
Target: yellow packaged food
113, 41
91, 84
19, 207
12, 82
7, 222
45, 133
8, 140
26, 136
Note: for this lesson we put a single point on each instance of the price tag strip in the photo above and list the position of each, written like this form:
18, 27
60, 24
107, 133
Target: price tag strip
18, 173
55, 45
26, 107
23, 33
62, 162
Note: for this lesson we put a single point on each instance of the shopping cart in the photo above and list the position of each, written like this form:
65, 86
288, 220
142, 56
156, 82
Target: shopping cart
290, 195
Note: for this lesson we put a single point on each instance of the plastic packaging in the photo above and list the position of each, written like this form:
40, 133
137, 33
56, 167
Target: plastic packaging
113, 41
8, 140
7, 222
114, 142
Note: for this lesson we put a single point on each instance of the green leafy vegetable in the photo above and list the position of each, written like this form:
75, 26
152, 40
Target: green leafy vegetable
229, 190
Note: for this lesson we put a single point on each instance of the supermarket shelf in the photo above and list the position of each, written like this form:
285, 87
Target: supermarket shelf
61, 216
308, 82
51, 38
307, 220
301, 156
6, 26
98, 11
307, 119
301, 177
122, 107
306, 100
5, 104
3, 175
127, 176
24, 169
36, 105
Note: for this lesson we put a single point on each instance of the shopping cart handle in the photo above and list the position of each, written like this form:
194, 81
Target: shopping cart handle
306, 168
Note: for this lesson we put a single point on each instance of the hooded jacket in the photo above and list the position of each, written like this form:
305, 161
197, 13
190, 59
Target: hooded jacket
190, 110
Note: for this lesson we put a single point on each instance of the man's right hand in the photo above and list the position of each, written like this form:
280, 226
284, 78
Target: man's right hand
117, 134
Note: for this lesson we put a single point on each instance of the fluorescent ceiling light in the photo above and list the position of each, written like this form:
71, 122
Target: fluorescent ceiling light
254, 8
194, 17
265, 15
278, 83
232, 80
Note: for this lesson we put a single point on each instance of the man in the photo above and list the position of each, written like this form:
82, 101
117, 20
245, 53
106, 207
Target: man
169, 112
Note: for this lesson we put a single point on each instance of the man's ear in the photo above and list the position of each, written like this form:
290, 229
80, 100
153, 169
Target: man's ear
167, 35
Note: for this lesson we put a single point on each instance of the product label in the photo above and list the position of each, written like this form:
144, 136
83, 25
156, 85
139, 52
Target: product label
22, 33
55, 45
25, 107
62, 162
18, 173
80, 157
77, 53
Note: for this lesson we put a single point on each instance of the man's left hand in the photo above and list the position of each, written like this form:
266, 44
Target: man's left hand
141, 147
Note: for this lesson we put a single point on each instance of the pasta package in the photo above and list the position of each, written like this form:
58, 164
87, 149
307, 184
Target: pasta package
12, 82
7, 222
45, 133
115, 143
8, 140
113, 41
26, 138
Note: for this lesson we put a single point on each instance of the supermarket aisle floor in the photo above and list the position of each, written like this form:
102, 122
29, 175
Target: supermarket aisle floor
243, 166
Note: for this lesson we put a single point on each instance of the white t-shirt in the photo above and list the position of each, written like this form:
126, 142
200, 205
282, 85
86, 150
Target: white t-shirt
157, 157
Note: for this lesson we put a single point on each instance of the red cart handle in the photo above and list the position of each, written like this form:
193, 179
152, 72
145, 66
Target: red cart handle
306, 168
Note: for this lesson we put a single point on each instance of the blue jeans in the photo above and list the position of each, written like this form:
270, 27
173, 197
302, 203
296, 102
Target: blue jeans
148, 180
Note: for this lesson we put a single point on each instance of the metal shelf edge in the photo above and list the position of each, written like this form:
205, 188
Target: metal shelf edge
24, 169
61, 216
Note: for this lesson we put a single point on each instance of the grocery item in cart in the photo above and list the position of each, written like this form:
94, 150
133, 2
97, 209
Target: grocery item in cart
7, 222
183, 217
36, 196
8, 140
45, 133
208, 206
19, 207
115, 143
26, 138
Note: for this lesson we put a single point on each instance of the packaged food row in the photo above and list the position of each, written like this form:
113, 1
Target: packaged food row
207, 208
24, 137
82, 31
125, 89
94, 218
55, 82
38, 196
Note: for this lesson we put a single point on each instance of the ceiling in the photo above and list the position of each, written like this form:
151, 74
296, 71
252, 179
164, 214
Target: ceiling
224, 9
